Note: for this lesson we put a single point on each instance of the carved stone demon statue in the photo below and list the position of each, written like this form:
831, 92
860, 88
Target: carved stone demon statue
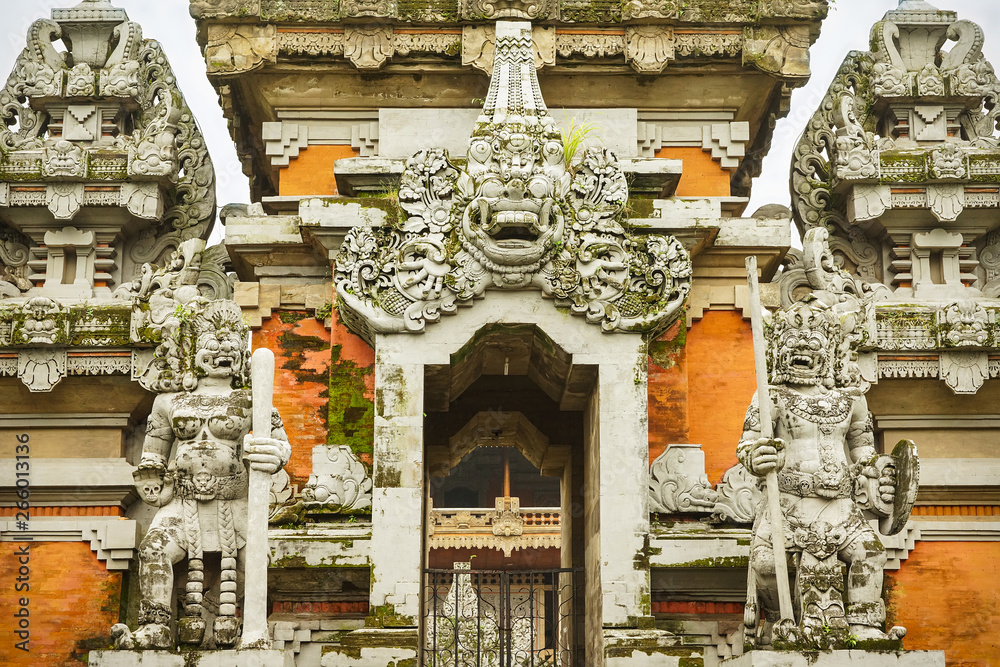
194, 468
830, 475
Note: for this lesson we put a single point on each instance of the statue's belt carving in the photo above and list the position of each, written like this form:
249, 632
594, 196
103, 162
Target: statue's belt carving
206, 486
811, 485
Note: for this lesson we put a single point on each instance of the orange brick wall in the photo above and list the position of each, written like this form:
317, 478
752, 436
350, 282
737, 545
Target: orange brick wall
946, 596
311, 173
301, 346
702, 176
699, 393
73, 602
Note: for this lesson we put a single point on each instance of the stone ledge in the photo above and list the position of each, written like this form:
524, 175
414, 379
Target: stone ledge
837, 659
249, 658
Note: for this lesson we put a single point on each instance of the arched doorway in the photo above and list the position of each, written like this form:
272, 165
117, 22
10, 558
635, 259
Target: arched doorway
503, 583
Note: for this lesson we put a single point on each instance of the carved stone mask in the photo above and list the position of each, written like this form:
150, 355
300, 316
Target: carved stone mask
804, 345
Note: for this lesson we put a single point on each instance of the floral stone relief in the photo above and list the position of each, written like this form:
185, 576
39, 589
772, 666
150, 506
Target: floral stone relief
520, 214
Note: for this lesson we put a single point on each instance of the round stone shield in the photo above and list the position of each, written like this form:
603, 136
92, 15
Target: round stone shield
907, 480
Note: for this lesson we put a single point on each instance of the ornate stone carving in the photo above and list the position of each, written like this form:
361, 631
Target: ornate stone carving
678, 483
828, 471
964, 324
311, 43
368, 46
160, 294
928, 131
737, 496
339, 482
360, 8
41, 370
964, 372
236, 48
204, 9
780, 50
535, 10
519, 215
591, 46
89, 140
202, 417
649, 48
45, 322
646, 9
479, 44
697, 45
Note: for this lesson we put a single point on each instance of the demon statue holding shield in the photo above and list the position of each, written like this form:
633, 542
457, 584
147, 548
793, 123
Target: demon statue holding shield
831, 478
194, 468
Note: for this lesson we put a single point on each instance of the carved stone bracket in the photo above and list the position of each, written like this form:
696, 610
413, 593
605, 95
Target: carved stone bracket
479, 44
41, 370
649, 48
239, 48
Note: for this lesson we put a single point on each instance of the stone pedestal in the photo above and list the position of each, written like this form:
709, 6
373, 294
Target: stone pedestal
248, 658
837, 659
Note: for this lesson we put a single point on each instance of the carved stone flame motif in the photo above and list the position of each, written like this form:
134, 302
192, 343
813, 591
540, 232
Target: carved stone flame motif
522, 214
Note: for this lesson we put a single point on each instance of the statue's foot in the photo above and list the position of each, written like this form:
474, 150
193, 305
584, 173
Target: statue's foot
864, 633
226, 631
122, 636
191, 630
153, 635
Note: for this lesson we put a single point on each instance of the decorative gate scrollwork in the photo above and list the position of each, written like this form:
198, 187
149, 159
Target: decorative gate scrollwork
502, 618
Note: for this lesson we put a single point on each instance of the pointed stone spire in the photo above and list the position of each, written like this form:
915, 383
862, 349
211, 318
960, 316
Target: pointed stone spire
514, 98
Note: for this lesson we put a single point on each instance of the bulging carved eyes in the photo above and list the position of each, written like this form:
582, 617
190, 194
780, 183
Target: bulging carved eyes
539, 187
553, 149
491, 189
480, 151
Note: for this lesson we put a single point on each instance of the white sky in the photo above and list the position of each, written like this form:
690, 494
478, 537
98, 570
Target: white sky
169, 22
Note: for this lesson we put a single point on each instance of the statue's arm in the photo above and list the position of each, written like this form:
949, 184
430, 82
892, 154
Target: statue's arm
758, 455
269, 454
875, 484
861, 433
278, 433
154, 484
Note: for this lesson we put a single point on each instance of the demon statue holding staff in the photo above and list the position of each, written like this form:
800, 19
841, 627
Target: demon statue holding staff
194, 468
831, 478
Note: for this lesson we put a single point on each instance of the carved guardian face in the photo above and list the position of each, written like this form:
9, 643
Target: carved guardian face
515, 217
804, 346
220, 354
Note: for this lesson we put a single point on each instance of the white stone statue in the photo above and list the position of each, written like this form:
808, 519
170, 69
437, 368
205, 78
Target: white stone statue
194, 468
831, 478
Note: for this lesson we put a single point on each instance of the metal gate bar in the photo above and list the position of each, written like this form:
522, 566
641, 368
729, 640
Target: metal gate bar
501, 618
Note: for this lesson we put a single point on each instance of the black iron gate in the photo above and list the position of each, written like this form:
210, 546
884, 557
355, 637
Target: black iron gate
502, 618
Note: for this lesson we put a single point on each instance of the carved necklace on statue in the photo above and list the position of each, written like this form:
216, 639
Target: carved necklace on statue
827, 410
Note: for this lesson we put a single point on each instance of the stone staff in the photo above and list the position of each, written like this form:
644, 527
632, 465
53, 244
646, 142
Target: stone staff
767, 431
255, 633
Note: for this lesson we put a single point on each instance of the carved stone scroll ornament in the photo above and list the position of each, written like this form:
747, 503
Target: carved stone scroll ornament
782, 50
339, 482
164, 142
678, 483
535, 10
518, 215
364, 8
